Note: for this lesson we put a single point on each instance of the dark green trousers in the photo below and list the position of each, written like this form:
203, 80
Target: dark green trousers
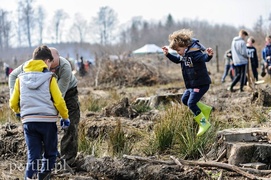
69, 142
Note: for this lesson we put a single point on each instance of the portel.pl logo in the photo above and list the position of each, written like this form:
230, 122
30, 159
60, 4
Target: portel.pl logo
17, 166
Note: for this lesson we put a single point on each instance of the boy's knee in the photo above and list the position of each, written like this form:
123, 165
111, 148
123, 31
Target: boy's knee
184, 102
191, 105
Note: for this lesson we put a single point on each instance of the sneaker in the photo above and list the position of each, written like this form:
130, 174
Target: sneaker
44, 175
230, 89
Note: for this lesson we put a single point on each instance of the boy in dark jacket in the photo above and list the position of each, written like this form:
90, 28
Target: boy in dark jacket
252, 55
192, 59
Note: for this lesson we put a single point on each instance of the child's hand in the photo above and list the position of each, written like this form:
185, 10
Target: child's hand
165, 50
64, 123
210, 51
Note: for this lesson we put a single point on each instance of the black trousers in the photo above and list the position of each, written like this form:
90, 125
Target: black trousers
240, 75
69, 142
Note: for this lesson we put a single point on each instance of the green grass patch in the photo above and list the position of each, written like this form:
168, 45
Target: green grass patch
176, 132
119, 143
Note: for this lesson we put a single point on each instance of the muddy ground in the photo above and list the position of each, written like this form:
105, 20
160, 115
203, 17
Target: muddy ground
228, 106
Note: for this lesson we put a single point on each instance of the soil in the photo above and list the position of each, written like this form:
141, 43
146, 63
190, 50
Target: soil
228, 107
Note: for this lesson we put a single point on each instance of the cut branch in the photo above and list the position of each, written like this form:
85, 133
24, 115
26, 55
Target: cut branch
177, 162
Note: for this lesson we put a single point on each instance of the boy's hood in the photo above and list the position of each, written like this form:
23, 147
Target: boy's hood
33, 75
34, 65
195, 46
237, 38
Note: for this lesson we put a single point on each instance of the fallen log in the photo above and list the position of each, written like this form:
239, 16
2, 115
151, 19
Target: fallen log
219, 165
181, 162
257, 171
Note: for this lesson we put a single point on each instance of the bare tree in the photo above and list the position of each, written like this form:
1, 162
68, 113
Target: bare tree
258, 26
59, 19
40, 19
19, 27
135, 30
5, 29
106, 21
123, 37
27, 17
2, 14
132, 35
79, 29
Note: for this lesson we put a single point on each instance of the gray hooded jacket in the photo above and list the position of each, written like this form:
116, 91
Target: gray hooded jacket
36, 97
239, 51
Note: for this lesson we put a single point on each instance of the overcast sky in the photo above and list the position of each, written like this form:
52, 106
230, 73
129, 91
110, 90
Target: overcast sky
230, 12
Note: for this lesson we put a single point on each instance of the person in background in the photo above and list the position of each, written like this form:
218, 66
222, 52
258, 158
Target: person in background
240, 59
71, 63
229, 69
253, 57
82, 69
36, 98
192, 57
263, 69
266, 54
15, 61
6, 70
67, 83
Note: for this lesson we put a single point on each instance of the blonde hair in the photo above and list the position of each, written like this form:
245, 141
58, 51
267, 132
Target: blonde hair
180, 38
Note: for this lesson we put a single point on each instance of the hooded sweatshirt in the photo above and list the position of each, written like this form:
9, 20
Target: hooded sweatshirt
194, 70
239, 51
36, 95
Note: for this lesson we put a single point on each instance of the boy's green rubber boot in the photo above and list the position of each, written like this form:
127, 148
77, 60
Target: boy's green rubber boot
204, 124
205, 109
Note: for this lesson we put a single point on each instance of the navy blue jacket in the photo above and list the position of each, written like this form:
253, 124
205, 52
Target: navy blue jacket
193, 65
267, 52
252, 54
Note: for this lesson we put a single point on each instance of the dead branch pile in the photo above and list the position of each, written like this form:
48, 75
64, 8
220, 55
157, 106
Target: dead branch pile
129, 73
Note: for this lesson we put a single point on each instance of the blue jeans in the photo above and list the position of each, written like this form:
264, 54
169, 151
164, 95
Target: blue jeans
193, 95
227, 70
40, 137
